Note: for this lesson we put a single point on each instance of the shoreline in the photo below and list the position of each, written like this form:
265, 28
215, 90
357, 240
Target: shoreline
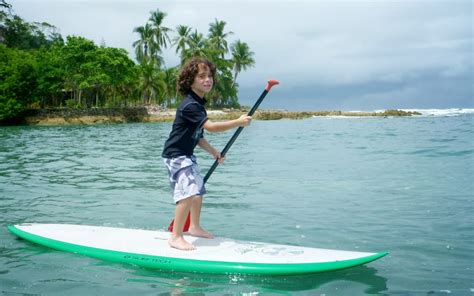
157, 114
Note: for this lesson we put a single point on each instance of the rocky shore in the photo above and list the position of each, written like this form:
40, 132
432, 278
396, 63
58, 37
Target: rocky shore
156, 114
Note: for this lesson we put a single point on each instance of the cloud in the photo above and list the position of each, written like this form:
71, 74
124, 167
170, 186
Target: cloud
342, 47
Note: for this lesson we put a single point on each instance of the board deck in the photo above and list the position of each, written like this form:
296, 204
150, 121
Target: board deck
150, 249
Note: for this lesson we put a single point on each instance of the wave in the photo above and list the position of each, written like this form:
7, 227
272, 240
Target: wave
442, 112
450, 112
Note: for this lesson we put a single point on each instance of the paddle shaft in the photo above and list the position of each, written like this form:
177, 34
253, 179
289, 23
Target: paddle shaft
235, 136
228, 145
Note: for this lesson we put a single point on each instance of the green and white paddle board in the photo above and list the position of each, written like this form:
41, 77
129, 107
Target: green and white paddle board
219, 255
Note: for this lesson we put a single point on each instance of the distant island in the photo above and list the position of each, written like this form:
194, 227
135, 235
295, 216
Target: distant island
67, 116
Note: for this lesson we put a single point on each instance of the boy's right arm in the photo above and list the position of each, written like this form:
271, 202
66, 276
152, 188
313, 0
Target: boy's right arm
221, 126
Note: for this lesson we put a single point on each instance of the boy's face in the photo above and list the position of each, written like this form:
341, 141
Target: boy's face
203, 81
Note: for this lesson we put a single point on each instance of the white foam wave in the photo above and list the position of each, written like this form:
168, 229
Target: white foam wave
424, 112
443, 112
341, 116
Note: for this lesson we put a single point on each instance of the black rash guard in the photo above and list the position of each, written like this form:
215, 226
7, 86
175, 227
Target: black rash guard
187, 127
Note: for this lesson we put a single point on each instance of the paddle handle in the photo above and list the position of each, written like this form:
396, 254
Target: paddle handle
270, 84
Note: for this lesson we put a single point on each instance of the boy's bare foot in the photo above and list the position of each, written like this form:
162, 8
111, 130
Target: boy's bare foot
199, 232
180, 244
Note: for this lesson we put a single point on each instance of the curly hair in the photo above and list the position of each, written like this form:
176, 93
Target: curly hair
189, 72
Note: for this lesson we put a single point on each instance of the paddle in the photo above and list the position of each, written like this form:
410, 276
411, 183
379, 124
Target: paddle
270, 83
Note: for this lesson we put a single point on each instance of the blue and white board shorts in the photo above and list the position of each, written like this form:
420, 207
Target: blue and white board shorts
185, 177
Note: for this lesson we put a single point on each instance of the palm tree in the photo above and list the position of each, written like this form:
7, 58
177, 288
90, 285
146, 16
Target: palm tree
151, 81
197, 46
242, 57
170, 78
153, 37
217, 37
182, 40
146, 44
159, 31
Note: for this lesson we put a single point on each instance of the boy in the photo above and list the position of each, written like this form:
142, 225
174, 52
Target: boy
195, 80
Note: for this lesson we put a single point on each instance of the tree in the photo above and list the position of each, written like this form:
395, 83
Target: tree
51, 76
197, 46
160, 32
242, 57
182, 40
190, 43
77, 54
146, 44
39, 69
170, 78
15, 32
17, 81
217, 37
153, 38
106, 71
224, 93
151, 82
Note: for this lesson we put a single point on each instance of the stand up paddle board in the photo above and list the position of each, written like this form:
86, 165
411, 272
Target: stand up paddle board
219, 255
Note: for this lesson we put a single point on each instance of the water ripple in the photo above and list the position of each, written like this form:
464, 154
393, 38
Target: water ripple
400, 184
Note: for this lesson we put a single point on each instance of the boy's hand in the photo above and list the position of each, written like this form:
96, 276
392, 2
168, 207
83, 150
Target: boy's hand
245, 120
218, 157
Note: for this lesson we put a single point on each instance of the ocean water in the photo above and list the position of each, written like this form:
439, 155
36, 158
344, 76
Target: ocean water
402, 185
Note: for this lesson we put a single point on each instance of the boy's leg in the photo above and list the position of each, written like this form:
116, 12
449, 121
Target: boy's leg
195, 228
177, 240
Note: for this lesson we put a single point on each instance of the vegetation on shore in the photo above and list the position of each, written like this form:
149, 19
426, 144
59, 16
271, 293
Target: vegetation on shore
272, 115
154, 114
40, 69
46, 79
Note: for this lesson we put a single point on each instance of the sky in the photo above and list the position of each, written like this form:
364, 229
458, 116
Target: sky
327, 55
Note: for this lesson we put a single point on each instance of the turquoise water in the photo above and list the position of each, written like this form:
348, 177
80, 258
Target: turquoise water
402, 185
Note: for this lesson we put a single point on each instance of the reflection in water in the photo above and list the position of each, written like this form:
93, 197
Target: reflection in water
181, 283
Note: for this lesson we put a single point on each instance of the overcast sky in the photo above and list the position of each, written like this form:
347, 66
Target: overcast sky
327, 55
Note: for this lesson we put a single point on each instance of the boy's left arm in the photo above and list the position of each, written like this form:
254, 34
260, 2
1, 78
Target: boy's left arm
204, 144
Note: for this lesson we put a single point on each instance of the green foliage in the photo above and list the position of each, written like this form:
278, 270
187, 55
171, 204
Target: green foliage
51, 78
242, 57
18, 71
191, 43
15, 32
39, 69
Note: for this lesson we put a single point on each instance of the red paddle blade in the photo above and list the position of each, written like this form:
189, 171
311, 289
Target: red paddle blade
186, 224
